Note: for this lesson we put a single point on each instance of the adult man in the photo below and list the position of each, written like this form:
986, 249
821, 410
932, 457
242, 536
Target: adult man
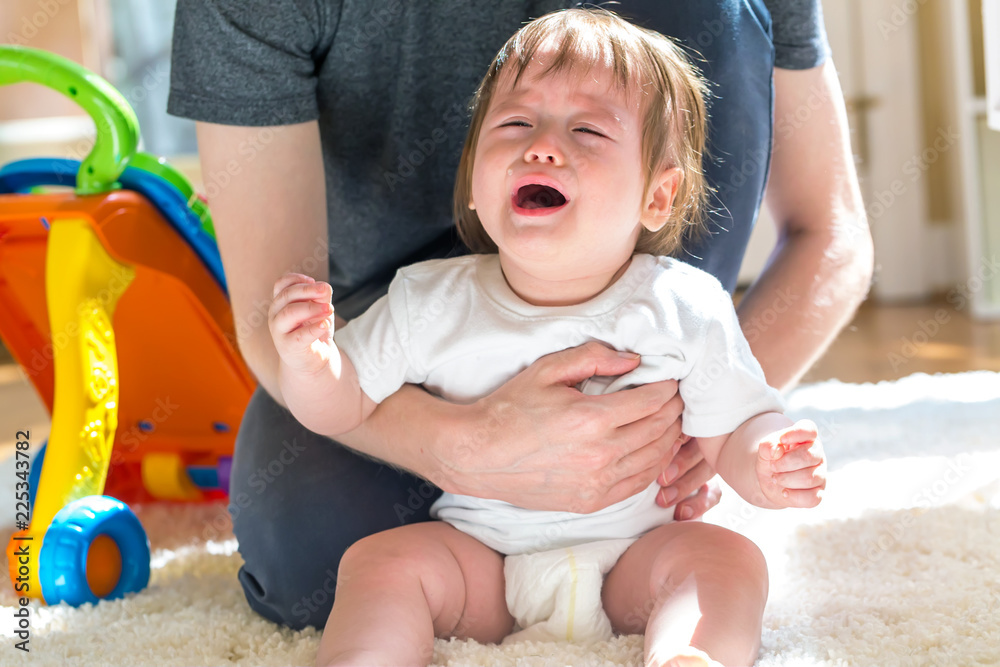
332, 129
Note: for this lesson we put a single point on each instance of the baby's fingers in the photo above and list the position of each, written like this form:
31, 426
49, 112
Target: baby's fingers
298, 313
291, 308
807, 455
311, 331
778, 444
770, 451
806, 478
801, 432
314, 291
290, 279
803, 497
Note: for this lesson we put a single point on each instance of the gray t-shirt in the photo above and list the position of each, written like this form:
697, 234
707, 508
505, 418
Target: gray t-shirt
389, 89
798, 33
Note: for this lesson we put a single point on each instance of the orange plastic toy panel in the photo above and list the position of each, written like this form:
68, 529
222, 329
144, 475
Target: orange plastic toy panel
184, 385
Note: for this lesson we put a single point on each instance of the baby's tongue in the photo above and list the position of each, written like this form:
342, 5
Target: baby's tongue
540, 196
533, 203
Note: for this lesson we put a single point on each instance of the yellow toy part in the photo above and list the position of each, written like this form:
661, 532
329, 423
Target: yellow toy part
83, 284
114, 302
165, 476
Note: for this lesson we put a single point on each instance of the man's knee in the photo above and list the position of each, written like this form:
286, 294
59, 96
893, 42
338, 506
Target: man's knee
296, 591
287, 577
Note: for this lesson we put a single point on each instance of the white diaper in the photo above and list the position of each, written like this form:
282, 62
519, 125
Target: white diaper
556, 595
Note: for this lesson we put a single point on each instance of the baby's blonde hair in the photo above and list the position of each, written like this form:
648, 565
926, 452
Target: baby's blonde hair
673, 129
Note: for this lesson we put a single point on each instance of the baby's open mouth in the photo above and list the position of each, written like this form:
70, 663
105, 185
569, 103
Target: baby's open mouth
533, 196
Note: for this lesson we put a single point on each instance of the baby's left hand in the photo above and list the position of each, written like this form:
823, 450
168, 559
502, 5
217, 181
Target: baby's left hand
791, 466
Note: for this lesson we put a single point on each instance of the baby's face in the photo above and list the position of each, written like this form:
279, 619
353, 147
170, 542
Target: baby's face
558, 174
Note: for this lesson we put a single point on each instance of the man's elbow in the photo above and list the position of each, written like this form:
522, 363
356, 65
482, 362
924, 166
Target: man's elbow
861, 253
253, 354
261, 358
850, 250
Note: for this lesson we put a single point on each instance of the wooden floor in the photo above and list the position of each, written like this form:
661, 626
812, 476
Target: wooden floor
889, 342
882, 343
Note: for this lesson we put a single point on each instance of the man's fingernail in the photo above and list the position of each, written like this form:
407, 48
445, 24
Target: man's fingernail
686, 513
670, 473
628, 355
668, 495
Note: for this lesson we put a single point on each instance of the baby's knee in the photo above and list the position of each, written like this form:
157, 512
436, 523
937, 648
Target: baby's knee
741, 559
387, 555
721, 552
373, 550
748, 559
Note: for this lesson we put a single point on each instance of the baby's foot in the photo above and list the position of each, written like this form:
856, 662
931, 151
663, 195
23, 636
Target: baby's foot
688, 657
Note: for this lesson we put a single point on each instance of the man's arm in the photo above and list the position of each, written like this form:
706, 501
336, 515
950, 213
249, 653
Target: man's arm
536, 441
821, 267
270, 219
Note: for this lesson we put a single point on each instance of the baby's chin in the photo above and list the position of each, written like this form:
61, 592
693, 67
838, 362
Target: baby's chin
564, 279
534, 250
540, 264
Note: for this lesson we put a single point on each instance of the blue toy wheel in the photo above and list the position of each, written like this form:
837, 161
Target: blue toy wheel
34, 474
95, 542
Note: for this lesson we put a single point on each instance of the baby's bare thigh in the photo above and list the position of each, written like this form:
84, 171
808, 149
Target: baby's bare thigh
461, 578
663, 557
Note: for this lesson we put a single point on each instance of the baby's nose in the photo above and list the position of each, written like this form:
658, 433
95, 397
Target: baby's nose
544, 150
541, 156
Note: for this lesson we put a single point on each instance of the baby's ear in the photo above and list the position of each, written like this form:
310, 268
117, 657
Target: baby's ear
660, 200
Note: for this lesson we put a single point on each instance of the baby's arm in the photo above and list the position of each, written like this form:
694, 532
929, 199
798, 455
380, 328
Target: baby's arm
771, 461
317, 380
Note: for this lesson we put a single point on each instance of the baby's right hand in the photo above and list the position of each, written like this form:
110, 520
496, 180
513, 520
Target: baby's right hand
301, 323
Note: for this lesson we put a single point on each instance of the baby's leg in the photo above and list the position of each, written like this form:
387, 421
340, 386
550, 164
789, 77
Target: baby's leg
695, 589
398, 589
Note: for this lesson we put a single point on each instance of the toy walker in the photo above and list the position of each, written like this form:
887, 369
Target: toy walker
114, 303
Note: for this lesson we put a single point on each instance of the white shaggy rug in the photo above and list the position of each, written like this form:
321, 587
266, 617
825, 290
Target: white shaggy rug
900, 564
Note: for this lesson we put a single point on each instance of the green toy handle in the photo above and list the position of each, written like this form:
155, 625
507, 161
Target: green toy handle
160, 167
117, 126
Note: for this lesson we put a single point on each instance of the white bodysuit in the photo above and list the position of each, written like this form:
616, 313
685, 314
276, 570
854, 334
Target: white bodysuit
455, 327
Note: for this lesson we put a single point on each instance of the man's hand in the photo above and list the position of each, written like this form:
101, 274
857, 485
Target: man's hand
302, 324
688, 477
791, 466
539, 443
